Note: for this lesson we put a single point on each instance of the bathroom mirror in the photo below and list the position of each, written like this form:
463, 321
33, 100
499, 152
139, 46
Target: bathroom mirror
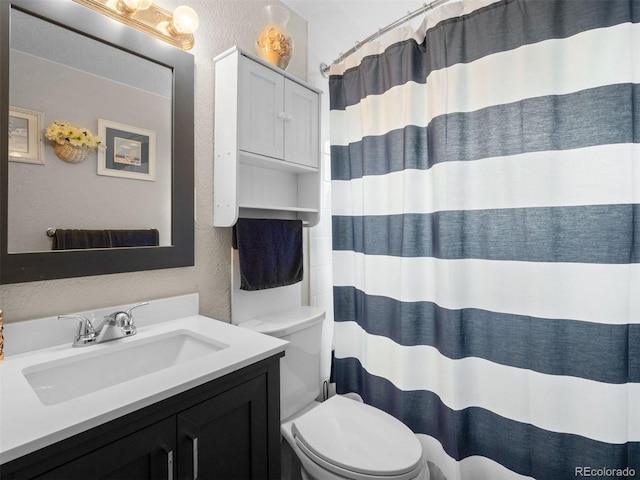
121, 81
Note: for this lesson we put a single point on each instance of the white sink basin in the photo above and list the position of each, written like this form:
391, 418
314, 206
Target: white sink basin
58, 381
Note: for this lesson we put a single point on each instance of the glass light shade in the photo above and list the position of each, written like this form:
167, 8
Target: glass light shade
135, 5
185, 20
273, 42
274, 14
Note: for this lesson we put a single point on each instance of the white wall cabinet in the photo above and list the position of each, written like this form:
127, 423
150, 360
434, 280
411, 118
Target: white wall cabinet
267, 147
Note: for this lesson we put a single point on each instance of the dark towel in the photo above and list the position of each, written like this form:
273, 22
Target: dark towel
270, 252
68, 239
135, 238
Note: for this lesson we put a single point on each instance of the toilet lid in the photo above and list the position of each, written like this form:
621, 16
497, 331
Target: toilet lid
358, 438
285, 322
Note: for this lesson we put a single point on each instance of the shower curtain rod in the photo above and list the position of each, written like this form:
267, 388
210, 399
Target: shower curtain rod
324, 68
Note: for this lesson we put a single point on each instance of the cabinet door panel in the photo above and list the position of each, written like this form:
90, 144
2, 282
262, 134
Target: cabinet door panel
301, 125
231, 434
141, 455
261, 104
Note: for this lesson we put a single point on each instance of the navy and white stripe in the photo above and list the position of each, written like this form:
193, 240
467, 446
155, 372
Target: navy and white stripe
486, 235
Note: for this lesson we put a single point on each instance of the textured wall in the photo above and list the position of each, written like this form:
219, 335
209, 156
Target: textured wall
223, 23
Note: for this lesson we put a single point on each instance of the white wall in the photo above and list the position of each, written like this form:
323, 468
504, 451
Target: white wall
320, 236
223, 23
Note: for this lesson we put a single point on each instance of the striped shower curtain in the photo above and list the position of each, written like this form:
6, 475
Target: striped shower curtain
486, 236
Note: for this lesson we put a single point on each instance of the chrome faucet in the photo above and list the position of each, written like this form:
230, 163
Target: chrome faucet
115, 325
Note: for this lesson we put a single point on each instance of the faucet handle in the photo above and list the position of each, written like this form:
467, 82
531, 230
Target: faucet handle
125, 319
86, 333
128, 312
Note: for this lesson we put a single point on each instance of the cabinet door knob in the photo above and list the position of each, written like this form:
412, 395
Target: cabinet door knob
289, 118
282, 116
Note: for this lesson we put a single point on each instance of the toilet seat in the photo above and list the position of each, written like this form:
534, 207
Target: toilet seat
358, 441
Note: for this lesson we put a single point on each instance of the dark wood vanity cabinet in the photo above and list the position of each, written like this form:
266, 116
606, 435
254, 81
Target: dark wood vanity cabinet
206, 447
143, 454
226, 429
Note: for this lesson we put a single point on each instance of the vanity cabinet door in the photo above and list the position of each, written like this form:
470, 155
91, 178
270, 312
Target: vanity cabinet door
146, 454
227, 436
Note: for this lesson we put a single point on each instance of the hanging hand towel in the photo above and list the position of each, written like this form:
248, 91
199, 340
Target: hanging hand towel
135, 238
270, 252
70, 239
66, 239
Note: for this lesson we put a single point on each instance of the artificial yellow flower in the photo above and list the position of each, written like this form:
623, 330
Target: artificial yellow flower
62, 132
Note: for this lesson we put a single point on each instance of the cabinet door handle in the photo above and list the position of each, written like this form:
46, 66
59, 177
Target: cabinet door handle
194, 442
289, 118
170, 464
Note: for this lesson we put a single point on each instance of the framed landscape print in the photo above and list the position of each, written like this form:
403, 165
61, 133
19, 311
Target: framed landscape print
127, 151
25, 136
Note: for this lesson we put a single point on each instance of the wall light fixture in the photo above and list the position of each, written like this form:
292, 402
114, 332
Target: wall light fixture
176, 28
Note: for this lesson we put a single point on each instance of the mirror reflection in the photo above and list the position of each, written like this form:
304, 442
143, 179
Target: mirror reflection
125, 184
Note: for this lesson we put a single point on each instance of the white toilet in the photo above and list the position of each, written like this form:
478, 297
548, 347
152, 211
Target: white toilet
340, 438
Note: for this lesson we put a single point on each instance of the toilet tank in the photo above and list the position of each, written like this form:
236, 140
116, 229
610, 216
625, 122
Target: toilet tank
300, 367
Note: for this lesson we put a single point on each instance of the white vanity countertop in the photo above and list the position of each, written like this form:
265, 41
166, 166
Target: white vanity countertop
27, 425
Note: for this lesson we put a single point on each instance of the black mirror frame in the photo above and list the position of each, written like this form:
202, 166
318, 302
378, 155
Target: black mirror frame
28, 267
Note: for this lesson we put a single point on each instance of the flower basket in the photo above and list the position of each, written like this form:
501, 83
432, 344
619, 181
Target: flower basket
71, 153
70, 143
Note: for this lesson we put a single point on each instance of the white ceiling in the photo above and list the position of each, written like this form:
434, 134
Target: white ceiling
336, 25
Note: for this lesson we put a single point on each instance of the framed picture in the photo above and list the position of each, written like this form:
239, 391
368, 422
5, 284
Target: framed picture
126, 151
25, 136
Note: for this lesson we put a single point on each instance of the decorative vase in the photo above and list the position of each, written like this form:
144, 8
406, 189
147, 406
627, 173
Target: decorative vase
70, 153
274, 44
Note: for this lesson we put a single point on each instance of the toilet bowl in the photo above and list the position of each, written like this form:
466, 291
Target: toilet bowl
340, 438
